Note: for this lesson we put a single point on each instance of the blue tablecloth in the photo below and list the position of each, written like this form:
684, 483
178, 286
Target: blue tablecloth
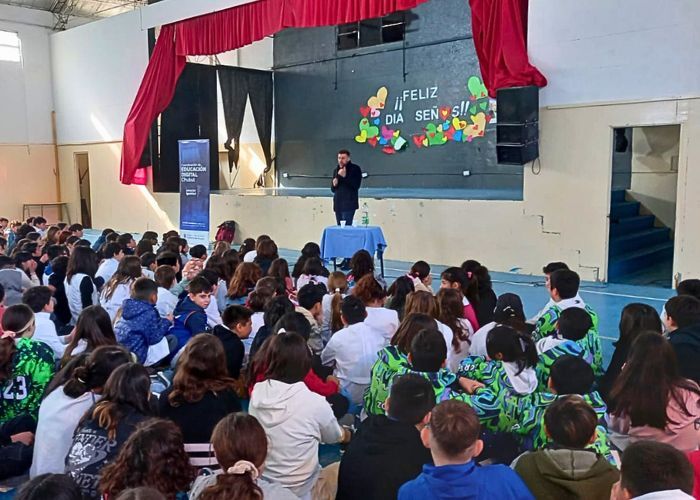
345, 241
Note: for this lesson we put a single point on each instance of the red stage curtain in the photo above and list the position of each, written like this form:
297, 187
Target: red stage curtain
220, 32
499, 28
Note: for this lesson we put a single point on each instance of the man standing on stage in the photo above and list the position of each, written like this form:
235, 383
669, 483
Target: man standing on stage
347, 178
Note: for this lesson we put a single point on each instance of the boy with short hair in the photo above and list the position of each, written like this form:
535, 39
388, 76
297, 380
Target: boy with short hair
682, 322
452, 436
199, 252
547, 271
148, 265
127, 242
352, 351
653, 470
40, 300
113, 254
140, 329
387, 450
76, 230
236, 327
41, 225
190, 314
310, 298
568, 469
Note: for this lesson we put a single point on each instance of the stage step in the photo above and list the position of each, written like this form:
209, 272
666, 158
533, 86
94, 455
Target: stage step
631, 224
639, 259
618, 196
620, 210
631, 242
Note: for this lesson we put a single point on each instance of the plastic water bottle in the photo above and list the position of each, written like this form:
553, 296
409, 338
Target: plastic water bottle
365, 215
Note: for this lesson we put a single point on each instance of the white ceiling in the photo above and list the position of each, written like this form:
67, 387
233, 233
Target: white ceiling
91, 9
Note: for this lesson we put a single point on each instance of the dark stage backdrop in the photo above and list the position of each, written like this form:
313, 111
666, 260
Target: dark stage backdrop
411, 107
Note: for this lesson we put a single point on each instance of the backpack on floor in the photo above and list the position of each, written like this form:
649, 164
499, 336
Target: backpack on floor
226, 231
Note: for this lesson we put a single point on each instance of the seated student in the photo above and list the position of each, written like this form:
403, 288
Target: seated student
241, 447
212, 310
295, 419
451, 313
652, 400
466, 283
41, 302
154, 455
279, 269
236, 328
26, 366
140, 329
217, 264
13, 280
508, 312
634, 319
56, 486
274, 310
127, 242
568, 469
653, 471
102, 240
361, 265
310, 298
312, 273
190, 315
511, 364
257, 300
167, 302
337, 291
547, 271
56, 281
422, 279
572, 327
94, 329
199, 252
113, 254
353, 350
76, 230
118, 288
387, 450
62, 408
370, 291
682, 323
426, 303
148, 265
202, 392
453, 439
487, 297
265, 254
105, 427
243, 282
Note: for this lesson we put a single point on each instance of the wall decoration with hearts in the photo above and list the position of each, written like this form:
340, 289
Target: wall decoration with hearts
389, 139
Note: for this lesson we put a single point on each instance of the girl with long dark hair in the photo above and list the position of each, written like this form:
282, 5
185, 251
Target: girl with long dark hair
451, 313
118, 288
93, 329
398, 291
455, 277
80, 284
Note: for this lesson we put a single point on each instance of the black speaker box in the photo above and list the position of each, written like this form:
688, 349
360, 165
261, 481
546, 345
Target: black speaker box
519, 133
518, 104
517, 154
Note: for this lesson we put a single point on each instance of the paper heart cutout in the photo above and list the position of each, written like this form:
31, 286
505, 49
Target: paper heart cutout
397, 133
446, 126
459, 124
376, 121
374, 112
378, 101
489, 118
364, 110
364, 124
458, 136
426, 143
418, 140
362, 138
387, 133
383, 141
372, 141
484, 105
450, 133
388, 150
479, 121
472, 109
476, 87
372, 131
445, 112
400, 143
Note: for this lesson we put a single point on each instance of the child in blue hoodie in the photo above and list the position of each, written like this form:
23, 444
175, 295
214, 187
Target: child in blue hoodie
452, 435
190, 315
140, 326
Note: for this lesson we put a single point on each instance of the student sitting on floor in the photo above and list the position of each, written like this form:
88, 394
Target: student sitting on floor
236, 328
353, 350
118, 288
682, 322
371, 292
167, 302
141, 329
653, 470
41, 302
310, 299
508, 312
456, 278
567, 468
113, 254
451, 313
190, 315
547, 271
453, 438
387, 450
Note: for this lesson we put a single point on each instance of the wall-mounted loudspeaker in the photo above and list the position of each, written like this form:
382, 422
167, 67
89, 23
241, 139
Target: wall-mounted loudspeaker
517, 130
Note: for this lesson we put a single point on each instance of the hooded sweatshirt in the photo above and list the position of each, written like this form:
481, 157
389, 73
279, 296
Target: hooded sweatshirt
499, 376
564, 473
296, 421
465, 482
190, 319
140, 327
686, 343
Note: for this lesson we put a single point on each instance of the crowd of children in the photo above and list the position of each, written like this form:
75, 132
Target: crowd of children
124, 364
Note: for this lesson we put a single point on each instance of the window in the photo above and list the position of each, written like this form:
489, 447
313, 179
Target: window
370, 32
9, 47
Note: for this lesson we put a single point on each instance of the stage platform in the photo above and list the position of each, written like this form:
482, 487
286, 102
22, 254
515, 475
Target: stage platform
385, 193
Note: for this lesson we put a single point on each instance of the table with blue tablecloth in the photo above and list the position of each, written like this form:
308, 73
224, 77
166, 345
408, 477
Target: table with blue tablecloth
343, 242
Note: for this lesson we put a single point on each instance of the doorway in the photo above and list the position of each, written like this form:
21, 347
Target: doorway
82, 167
643, 205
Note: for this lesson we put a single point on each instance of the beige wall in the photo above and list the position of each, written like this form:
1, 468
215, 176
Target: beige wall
655, 170
27, 175
563, 215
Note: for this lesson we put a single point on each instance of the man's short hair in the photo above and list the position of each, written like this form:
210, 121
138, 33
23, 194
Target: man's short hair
198, 252
428, 351
571, 375
167, 259
353, 310
684, 310
112, 249
650, 466
75, 227
37, 298
411, 398
107, 231
125, 239
344, 152
143, 289
454, 427
310, 295
689, 287
39, 220
147, 259
554, 266
234, 315
165, 275
199, 285
112, 237
570, 421
566, 282
574, 323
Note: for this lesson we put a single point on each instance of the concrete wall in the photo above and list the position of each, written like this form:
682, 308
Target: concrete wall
655, 170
